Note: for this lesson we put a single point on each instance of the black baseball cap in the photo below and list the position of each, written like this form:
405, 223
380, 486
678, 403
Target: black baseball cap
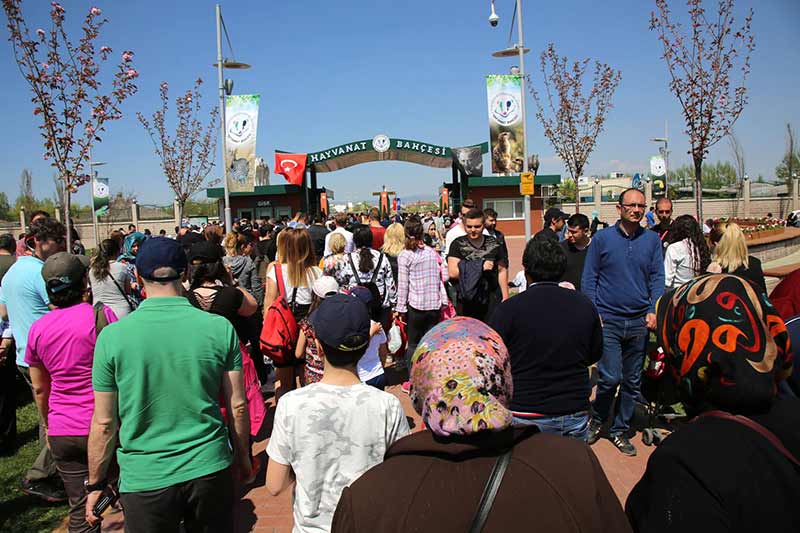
555, 213
341, 322
160, 252
64, 270
205, 252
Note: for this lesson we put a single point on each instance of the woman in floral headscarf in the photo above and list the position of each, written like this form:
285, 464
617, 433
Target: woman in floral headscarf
130, 250
735, 467
433, 480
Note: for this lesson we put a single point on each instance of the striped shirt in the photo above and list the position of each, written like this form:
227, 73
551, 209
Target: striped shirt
420, 274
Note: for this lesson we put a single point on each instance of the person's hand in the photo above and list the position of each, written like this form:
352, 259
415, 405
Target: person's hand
650, 320
91, 501
488, 265
5, 349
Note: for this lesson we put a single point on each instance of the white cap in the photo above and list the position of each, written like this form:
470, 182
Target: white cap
325, 286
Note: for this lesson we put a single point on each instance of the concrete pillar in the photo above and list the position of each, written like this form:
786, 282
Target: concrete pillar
795, 193
746, 196
597, 194
58, 212
22, 222
648, 192
177, 210
135, 214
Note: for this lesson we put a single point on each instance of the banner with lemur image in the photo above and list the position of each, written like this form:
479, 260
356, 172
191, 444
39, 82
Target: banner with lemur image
241, 123
505, 123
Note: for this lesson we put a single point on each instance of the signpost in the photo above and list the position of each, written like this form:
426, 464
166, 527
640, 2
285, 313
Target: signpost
526, 184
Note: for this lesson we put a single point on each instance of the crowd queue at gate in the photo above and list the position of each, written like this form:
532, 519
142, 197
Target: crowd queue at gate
152, 363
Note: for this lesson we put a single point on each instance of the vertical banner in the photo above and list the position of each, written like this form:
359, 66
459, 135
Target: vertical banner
444, 201
506, 129
323, 202
241, 123
397, 205
100, 194
384, 204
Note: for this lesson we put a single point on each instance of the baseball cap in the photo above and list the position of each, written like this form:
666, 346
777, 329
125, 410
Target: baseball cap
341, 322
555, 213
160, 252
325, 286
64, 270
205, 252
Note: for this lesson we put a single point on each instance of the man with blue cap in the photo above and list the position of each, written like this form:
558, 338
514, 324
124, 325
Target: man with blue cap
156, 377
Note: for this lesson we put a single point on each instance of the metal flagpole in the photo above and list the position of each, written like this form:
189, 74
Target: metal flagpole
228, 224
526, 201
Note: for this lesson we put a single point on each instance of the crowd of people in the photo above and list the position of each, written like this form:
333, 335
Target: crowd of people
151, 363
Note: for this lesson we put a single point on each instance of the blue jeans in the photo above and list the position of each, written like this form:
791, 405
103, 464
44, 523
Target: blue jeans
575, 425
624, 343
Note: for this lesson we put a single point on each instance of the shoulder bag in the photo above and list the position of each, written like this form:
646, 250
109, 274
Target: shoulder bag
122, 292
490, 492
448, 310
280, 331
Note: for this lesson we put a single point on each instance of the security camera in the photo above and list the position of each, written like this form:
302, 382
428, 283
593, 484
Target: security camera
493, 18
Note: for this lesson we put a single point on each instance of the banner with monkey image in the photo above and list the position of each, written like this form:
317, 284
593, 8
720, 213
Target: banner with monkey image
241, 123
505, 122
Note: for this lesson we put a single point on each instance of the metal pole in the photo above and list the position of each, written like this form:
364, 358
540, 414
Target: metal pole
526, 201
666, 159
228, 224
91, 202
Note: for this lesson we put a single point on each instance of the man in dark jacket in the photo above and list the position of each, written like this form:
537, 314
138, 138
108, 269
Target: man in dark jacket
575, 247
317, 231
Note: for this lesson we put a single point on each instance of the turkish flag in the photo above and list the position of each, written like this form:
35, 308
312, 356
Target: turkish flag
292, 166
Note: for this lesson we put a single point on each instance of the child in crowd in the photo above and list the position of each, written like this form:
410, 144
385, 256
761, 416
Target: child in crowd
370, 367
323, 287
327, 434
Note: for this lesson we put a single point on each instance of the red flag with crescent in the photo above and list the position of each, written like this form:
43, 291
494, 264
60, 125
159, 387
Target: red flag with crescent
291, 166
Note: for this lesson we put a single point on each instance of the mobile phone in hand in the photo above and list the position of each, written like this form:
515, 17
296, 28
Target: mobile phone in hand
108, 498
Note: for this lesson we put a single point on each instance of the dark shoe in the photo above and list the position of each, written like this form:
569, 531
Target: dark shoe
45, 490
594, 432
623, 444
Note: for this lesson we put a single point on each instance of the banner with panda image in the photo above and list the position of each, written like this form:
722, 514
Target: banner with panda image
241, 124
506, 129
100, 195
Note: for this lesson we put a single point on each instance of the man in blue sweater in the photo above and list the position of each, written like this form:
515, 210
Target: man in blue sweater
623, 277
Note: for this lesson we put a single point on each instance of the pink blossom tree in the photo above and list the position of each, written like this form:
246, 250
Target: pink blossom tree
572, 118
64, 77
188, 156
702, 64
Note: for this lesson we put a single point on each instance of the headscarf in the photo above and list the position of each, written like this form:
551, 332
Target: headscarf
461, 378
724, 343
136, 237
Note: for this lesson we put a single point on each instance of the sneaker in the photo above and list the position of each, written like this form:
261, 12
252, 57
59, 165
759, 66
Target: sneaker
406, 387
44, 489
623, 444
594, 432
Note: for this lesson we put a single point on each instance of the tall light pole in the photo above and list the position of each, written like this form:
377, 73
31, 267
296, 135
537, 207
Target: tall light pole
222, 64
520, 51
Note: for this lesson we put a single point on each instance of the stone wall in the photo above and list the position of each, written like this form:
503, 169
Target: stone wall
86, 232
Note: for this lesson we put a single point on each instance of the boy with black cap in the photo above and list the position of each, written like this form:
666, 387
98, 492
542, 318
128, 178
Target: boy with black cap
554, 220
329, 433
159, 370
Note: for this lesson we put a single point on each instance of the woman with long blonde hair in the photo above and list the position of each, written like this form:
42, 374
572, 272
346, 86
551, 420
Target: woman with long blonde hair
394, 242
295, 259
730, 255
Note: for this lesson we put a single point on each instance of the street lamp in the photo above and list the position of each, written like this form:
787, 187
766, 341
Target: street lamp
518, 50
223, 89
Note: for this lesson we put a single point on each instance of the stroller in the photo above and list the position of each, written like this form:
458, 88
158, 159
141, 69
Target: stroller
660, 394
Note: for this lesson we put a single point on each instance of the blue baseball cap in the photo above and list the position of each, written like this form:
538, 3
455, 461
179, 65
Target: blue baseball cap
341, 322
160, 252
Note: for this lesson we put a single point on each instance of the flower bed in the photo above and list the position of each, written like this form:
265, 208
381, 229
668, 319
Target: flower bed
757, 228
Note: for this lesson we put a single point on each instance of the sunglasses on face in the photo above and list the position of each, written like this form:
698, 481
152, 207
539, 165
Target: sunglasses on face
664, 212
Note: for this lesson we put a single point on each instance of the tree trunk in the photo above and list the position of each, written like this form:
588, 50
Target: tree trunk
67, 222
698, 188
577, 196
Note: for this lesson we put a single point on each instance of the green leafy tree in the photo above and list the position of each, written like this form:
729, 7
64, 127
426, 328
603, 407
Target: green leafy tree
566, 190
790, 164
5, 207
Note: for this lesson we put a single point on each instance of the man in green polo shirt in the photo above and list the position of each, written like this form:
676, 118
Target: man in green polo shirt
161, 369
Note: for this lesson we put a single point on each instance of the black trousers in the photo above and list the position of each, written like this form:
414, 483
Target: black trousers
8, 403
204, 504
418, 323
72, 462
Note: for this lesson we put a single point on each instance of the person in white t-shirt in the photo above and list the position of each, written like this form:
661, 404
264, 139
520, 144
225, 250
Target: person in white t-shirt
327, 434
370, 366
340, 219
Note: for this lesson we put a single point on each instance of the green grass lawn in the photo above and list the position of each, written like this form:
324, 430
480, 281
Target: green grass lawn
20, 513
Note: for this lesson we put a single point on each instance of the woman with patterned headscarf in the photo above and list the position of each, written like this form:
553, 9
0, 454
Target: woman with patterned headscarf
735, 467
434, 480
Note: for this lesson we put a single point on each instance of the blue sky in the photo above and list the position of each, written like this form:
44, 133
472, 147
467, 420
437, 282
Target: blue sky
335, 71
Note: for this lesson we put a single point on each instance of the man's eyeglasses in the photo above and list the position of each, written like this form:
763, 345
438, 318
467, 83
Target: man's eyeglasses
634, 206
664, 212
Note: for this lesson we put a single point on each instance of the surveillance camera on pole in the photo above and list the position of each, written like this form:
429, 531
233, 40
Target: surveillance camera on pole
493, 18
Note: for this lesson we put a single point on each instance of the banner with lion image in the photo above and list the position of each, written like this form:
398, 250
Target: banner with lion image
505, 122
241, 123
